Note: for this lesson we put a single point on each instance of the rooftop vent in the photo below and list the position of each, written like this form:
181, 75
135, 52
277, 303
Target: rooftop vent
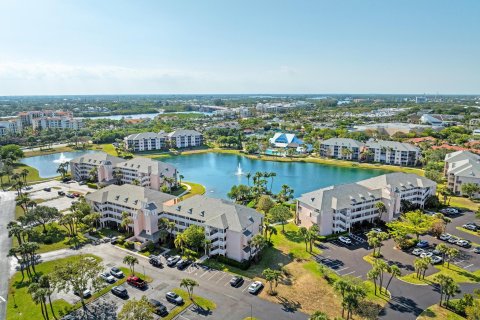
202, 213
312, 199
190, 210
179, 208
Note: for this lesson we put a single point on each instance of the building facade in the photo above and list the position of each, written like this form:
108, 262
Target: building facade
10, 126
100, 164
145, 141
461, 167
57, 123
185, 138
392, 152
341, 148
339, 208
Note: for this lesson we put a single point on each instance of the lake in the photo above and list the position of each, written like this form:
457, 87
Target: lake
218, 172
47, 164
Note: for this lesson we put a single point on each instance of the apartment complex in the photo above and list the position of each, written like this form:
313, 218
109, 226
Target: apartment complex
57, 123
461, 167
10, 126
146, 172
339, 208
392, 152
341, 148
145, 141
183, 138
228, 226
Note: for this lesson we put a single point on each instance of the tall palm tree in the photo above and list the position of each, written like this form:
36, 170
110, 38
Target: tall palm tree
179, 242
126, 221
131, 261
24, 173
49, 286
248, 176
189, 285
181, 177
39, 297
272, 175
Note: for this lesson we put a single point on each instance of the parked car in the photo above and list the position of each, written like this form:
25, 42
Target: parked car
61, 193
255, 287
376, 229
107, 277
470, 226
453, 240
117, 273
417, 251
448, 211
69, 195
82, 183
120, 291
159, 307
445, 236
154, 261
136, 282
114, 240
47, 189
422, 244
236, 281
345, 240
476, 250
172, 261
463, 243
436, 259
182, 264
76, 194
174, 298
426, 255
85, 293
435, 252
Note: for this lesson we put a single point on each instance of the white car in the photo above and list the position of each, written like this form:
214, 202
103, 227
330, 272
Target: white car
426, 255
470, 227
463, 243
255, 287
107, 277
445, 236
417, 251
376, 229
345, 240
436, 259
117, 273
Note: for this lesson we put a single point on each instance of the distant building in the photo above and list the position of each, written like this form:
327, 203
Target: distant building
393, 152
145, 141
420, 99
341, 148
82, 167
339, 208
185, 138
10, 126
396, 127
430, 119
461, 167
57, 123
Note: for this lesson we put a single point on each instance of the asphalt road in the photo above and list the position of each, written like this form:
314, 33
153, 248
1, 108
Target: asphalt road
7, 213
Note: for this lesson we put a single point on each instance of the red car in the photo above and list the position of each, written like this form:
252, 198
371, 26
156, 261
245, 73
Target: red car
136, 282
76, 194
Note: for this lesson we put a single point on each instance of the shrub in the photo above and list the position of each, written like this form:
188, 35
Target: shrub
47, 240
151, 247
129, 245
244, 265
92, 185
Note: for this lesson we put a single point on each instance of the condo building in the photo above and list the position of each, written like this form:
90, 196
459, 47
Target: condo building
338, 208
145, 141
10, 126
341, 148
461, 167
185, 138
392, 152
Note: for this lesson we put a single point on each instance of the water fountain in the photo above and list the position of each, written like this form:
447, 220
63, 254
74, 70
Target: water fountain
239, 170
62, 159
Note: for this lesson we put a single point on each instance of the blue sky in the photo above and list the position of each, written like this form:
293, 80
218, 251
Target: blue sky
215, 46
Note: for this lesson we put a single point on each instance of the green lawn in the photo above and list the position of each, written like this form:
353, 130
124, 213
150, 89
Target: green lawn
458, 274
32, 176
179, 190
440, 313
107, 148
202, 302
196, 188
469, 231
464, 203
58, 238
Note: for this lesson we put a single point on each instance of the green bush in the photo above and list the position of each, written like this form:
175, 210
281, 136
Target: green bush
92, 185
151, 247
47, 240
244, 265
129, 245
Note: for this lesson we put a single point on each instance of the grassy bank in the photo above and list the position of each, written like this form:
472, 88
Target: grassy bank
440, 313
458, 274
195, 188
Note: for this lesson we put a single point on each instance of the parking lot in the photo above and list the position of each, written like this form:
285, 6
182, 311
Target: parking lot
52, 198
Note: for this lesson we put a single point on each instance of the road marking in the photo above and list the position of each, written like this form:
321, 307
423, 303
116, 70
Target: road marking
246, 287
214, 273
468, 266
230, 296
204, 273
346, 274
221, 277
343, 269
3, 299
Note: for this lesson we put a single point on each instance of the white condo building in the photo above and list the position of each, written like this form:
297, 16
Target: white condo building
341, 148
145, 141
10, 126
185, 138
338, 208
393, 152
57, 123
461, 167
149, 173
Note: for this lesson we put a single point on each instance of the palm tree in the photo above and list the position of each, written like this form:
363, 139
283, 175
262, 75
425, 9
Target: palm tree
373, 275
313, 234
179, 242
258, 243
126, 221
93, 174
272, 175
39, 297
303, 232
24, 173
380, 206
181, 177
248, 176
189, 285
131, 261
46, 283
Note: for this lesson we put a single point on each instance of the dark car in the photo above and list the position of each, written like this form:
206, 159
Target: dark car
236, 281
174, 298
172, 261
476, 250
120, 291
47, 189
182, 264
159, 307
69, 195
61, 193
154, 261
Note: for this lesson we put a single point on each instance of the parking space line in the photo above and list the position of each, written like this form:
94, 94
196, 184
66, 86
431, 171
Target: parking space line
246, 287
346, 274
205, 273
343, 269
468, 266
214, 274
221, 277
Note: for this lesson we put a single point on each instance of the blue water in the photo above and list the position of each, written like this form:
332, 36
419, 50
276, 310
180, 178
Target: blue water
46, 165
217, 172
